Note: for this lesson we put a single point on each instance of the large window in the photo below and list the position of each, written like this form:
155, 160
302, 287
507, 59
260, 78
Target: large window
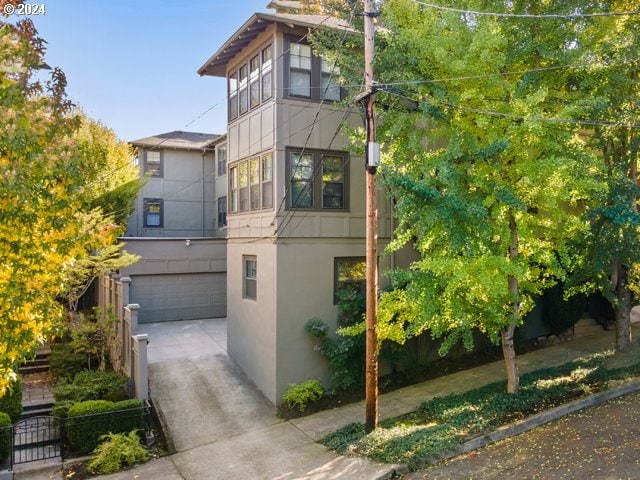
311, 76
250, 277
251, 184
251, 83
153, 213
317, 180
153, 163
222, 212
350, 273
221, 156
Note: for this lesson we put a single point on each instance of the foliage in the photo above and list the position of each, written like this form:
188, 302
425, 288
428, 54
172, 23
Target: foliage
39, 231
299, 396
11, 401
91, 385
90, 336
49, 226
65, 362
5, 436
443, 423
88, 421
116, 451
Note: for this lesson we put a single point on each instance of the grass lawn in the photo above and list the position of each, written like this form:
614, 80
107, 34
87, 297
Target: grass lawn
444, 423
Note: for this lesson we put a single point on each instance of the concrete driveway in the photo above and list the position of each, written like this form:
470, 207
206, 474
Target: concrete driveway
219, 424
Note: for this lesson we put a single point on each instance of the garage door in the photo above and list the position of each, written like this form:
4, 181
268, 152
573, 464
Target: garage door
187, 296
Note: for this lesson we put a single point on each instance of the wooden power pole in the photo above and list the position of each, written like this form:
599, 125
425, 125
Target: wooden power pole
372, 159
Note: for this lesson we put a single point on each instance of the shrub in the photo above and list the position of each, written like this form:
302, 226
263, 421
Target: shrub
5, 436
87, 421
115, 451
65, 363
92, 385
298, 396
11, 402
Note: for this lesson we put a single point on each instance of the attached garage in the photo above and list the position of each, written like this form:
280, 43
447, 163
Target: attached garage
187, 296
177, 279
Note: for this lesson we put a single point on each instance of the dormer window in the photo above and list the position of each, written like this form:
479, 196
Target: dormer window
311, 76
250, 83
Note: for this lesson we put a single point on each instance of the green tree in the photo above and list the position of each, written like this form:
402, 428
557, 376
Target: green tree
610, 93
484, 162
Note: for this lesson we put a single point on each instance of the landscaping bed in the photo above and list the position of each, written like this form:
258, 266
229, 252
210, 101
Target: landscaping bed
444, 423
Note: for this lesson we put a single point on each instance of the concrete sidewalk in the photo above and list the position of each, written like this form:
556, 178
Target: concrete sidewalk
222, 427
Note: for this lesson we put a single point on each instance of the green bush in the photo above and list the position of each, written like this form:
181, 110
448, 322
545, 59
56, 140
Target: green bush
5, 437
92, 385
116, 451
87, 421
298, 396
11, 402
65, 363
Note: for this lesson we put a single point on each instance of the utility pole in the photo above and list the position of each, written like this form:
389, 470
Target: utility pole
372, 159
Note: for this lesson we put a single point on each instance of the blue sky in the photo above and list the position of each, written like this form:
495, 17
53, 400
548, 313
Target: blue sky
132, 64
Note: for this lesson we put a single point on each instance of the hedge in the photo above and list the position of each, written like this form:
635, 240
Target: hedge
88, 421
65, 363
5, 437
92, 385
11, 402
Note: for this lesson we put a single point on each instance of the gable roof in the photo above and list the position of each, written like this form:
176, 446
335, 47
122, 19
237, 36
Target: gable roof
257, 24
178, 139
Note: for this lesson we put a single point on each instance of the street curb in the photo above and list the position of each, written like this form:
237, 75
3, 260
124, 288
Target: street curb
537, 420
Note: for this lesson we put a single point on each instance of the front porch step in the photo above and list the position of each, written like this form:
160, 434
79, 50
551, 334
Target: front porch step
36, 410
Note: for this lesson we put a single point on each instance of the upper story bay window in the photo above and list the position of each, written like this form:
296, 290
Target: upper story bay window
250, 83
251, 184
311, 76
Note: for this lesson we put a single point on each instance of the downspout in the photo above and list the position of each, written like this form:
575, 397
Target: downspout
204, 151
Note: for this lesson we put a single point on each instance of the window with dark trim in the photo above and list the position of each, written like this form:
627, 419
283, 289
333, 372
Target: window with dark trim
221, 156
233, 95
310, 76
251, 83
153, 217
233, 189
349, 273
267, 180
222, 212
153, 162
251, 184
317, 179
250, 277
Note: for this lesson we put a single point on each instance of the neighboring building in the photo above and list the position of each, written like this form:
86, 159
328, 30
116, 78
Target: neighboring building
180, 197
178, 228
296, 197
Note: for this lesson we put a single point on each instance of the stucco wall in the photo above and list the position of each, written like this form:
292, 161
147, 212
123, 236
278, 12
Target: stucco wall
251, 324
187, 188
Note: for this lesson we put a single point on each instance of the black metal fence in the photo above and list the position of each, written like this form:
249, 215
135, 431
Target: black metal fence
46, 437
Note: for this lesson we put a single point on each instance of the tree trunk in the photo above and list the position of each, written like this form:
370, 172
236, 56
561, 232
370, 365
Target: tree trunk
508, 347
623, 310
509, 353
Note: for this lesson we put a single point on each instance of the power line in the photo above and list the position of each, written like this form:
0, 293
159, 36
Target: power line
528, 15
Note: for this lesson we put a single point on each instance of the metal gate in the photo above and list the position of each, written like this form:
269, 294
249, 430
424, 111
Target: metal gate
36, 438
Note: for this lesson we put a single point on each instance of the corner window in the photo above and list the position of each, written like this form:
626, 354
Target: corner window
267, 181
233, 189
221, 156
222, 212
349, 273
317, 180
251, 83
251, 184
310, 76
153, 213
267, 60
153, 163
250, 277
233, 96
